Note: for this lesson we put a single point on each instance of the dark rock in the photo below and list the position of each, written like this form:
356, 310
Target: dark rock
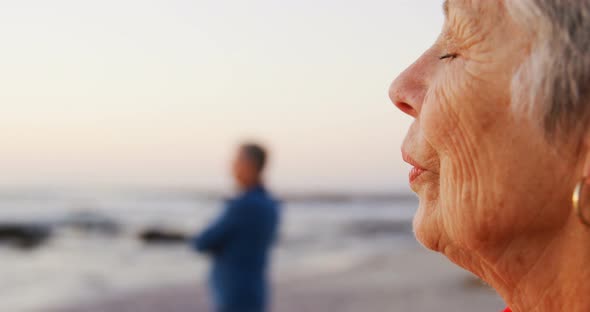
160, 236
25, 236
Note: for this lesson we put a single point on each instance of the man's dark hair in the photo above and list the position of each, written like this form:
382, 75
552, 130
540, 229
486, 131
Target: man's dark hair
256, 154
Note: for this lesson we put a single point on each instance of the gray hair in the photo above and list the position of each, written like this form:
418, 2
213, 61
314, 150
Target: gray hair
555, 80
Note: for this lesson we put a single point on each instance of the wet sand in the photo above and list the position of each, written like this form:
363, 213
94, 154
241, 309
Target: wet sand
415, 280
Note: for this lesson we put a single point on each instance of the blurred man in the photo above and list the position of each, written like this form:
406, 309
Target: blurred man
239, 242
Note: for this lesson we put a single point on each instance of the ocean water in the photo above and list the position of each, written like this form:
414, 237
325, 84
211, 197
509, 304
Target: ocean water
76, 266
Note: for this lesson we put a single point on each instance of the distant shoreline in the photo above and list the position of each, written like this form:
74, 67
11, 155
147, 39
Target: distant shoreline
185, 193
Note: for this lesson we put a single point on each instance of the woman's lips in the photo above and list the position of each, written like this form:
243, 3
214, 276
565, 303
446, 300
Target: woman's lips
416, 171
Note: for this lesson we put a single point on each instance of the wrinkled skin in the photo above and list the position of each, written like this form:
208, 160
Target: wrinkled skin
495, 193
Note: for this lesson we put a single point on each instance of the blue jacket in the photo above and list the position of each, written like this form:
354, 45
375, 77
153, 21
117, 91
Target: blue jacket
239, 242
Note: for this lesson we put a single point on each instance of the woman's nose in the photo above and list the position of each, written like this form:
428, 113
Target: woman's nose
408, 90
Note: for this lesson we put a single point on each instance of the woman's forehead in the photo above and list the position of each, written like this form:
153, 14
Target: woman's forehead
477, 14
449, 6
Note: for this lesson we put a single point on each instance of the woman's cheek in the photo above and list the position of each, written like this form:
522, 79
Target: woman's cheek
439, 119
446, 125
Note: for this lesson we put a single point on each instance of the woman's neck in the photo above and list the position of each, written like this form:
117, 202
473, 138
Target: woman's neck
547, 273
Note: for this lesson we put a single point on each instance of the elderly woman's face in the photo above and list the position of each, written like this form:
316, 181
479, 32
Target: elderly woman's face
483, 168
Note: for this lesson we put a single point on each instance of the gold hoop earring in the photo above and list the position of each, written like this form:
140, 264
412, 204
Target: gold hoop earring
577, 201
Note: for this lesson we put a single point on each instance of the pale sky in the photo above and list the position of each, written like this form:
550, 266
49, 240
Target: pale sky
158, 93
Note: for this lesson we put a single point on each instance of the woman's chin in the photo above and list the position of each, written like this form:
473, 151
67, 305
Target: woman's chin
427, 229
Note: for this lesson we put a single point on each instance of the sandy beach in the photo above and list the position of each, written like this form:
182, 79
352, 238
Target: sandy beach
412, 280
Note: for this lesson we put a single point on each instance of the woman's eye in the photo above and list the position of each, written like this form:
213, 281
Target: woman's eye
449, 56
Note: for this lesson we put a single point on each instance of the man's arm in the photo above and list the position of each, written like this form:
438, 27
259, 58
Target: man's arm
217, 234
